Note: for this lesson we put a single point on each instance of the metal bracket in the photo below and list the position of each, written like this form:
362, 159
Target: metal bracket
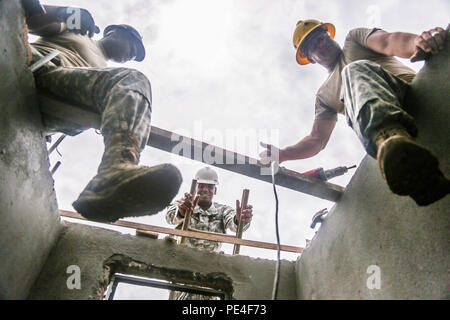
318, 217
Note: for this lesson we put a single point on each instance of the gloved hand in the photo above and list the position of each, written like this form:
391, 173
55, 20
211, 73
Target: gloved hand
32, 8
78, 20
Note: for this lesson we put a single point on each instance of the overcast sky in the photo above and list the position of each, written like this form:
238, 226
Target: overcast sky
220, 66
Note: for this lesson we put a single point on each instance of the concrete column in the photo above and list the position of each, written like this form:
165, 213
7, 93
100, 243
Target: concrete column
29, 221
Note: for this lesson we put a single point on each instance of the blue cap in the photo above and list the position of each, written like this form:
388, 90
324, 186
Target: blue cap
140, 54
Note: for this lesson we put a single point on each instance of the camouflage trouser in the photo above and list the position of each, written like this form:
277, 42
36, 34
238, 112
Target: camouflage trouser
121, 96
373, 97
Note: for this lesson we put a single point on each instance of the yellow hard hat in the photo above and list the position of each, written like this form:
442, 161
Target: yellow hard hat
302, 30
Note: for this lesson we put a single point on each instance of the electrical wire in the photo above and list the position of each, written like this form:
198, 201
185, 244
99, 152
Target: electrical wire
277, 268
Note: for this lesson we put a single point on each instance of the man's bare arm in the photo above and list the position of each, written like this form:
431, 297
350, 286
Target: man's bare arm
407, 45
312, 144
308, 147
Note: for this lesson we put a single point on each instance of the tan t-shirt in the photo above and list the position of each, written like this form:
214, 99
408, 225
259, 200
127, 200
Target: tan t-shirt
76, 50
328, 97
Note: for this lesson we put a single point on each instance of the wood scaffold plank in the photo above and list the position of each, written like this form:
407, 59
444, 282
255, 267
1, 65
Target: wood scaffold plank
191, 233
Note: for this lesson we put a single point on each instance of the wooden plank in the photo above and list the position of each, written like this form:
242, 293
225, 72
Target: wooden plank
146, 233
209, 232
212, 236
240, 227
188, 213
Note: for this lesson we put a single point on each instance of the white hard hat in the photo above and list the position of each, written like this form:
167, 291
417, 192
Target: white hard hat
207, 175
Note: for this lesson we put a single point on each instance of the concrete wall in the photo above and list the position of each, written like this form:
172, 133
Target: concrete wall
100, 252
372, 226
29, 221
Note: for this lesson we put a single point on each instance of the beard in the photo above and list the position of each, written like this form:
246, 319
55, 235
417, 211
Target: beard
204, 203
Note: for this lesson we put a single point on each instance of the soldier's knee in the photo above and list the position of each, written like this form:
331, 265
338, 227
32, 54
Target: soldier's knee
360, 66
132, 79
137, 76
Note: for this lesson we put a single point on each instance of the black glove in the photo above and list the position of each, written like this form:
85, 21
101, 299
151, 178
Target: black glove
87, 23
32, 8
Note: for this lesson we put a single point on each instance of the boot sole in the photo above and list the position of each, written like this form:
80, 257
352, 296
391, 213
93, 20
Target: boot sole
413, 170
426, 196
145, 194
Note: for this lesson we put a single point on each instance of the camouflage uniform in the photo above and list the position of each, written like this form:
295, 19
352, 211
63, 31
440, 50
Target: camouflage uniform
373, 97
217, 218
121, 96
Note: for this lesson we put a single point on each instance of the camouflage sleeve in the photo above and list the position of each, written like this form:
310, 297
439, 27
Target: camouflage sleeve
228, 214
172, 215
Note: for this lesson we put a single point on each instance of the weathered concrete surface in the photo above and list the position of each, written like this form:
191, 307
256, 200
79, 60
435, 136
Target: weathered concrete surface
29, 220
371, 226
93, 248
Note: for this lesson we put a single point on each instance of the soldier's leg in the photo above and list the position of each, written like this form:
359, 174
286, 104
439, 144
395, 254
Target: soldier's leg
123, 99
373, 98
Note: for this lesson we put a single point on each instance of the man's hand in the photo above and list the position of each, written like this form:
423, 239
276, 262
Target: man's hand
271, 153
429, 42
187, 203
247, 213
78, 20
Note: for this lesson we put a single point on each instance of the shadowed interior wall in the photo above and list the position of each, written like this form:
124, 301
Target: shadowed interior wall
99, 253
29, 220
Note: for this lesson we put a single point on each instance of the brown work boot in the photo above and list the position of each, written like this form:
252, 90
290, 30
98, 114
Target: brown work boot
408, 168
122, 189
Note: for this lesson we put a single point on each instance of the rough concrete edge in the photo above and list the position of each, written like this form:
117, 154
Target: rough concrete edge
220, 281
121, 263
62, 229
242, 285
22, 45
316, 238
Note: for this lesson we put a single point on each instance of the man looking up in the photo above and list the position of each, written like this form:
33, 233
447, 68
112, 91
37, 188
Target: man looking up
207, 216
